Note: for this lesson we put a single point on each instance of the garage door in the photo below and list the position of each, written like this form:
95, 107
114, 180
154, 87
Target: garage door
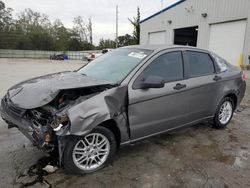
157, 37
227, 40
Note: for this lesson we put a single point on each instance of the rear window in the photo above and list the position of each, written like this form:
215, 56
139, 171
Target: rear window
200, 64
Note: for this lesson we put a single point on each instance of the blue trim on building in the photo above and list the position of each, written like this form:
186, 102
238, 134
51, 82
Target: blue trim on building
163, 10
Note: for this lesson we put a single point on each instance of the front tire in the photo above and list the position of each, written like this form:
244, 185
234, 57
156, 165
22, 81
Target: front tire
89, 153
224, 113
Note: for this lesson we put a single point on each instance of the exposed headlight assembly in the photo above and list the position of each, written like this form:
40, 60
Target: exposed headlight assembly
59, 122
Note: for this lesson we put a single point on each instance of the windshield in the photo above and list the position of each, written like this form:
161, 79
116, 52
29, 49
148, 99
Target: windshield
115, 65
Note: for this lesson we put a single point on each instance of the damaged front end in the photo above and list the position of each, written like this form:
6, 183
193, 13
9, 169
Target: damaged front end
32, 123
43, 125
51, 109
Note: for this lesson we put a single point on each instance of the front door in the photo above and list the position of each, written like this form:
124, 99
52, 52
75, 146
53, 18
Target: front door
155, 110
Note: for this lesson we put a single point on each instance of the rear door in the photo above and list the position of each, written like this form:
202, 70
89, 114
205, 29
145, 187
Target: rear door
158, 109
203, 84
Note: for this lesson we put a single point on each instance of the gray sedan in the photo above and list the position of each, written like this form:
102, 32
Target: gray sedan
126, 95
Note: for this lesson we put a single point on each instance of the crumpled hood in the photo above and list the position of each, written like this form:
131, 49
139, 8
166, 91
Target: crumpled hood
41, 90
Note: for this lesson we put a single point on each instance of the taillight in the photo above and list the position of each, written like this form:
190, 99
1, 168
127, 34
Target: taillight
244, 75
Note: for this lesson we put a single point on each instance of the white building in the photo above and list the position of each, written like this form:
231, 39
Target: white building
221, 26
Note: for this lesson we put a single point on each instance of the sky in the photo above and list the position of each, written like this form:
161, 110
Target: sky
102, 12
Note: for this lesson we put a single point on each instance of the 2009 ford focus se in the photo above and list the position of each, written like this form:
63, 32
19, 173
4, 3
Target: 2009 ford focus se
126, 95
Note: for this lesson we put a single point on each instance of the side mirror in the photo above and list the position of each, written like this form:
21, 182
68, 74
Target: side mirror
152, 82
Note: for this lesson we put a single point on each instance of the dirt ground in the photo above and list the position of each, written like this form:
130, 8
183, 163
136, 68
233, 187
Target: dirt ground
198, 156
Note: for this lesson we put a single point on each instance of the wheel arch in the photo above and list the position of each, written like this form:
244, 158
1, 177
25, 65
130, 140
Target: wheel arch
233, 96
113, 127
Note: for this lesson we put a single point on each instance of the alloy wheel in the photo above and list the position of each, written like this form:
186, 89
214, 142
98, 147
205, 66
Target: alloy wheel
225, 113
91, 152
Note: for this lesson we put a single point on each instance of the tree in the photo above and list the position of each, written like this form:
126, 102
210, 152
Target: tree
61, 35
136, 23
83, 30
34, 29
29, 20
7, 27
80, 28
125, 40
107, 43
6, 20
74, 44
87, 46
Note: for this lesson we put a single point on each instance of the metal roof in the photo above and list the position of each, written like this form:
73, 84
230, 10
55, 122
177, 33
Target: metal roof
162, 47
163, 10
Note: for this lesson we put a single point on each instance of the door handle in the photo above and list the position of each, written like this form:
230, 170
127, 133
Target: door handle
217, 78
179, 86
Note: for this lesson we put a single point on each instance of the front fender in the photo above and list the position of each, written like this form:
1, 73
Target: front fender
110, 104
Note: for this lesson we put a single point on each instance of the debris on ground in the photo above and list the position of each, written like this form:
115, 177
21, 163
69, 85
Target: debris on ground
35, 174
50, 169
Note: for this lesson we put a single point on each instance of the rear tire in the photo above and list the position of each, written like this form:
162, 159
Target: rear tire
89, 153
224, 113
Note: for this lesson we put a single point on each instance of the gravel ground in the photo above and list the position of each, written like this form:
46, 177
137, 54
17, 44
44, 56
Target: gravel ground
198, 156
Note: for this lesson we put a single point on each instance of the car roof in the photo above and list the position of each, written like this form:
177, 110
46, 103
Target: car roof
164, 47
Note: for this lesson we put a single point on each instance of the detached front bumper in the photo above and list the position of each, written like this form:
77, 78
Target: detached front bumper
15, 117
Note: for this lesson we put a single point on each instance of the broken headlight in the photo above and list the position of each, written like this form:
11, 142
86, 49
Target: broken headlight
59, 122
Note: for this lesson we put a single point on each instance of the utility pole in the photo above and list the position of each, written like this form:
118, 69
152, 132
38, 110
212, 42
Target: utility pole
90, 31
116, 33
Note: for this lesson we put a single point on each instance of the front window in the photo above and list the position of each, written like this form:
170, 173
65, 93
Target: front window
168, 66
115, 65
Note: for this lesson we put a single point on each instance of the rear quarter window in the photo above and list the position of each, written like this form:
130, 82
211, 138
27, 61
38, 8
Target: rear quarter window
222, 64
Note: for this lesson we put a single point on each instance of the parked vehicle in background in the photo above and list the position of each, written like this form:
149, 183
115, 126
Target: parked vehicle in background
93, 56
59, 57
104, 51
126, 95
